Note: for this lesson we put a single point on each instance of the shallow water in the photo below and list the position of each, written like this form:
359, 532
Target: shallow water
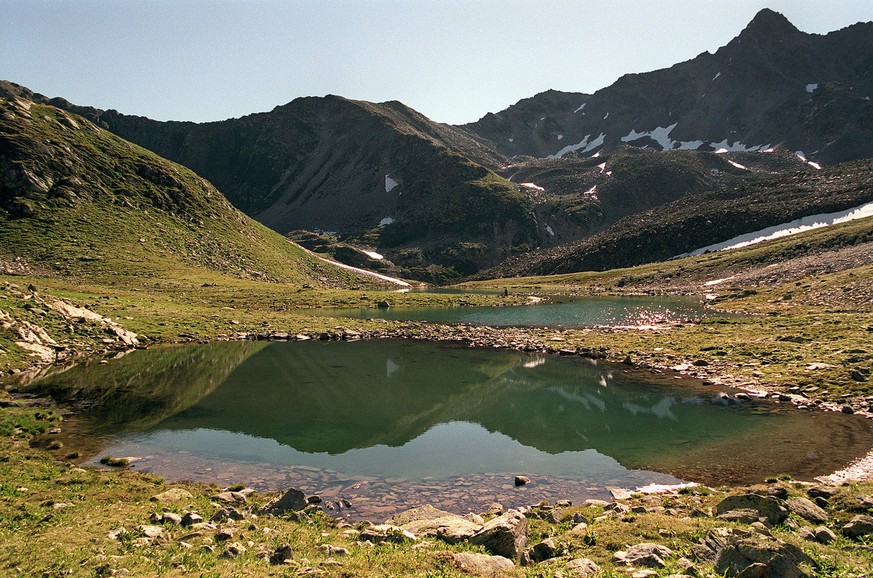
388, 425
571, 312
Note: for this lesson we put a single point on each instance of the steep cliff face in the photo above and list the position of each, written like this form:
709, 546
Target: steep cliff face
771, 85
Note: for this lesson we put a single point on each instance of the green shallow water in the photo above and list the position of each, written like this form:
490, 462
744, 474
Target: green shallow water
379, 422
570, 312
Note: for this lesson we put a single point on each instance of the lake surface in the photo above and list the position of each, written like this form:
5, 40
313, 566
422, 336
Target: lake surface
388, 425
571, 312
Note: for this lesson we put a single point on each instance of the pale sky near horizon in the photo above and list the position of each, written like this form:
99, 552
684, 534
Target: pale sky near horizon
452, 60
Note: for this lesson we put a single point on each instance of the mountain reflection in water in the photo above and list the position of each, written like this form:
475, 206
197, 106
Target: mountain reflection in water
424, 411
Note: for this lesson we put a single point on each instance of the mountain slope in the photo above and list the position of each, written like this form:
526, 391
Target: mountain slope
417, 190
773, 84
700, 219
76, 199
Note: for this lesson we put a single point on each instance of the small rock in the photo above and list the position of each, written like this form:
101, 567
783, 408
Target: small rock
150, 531
332, 550
521, 480
191, 518
280, 554
387, 533
233, 550
824, 535
170, 518
582, 567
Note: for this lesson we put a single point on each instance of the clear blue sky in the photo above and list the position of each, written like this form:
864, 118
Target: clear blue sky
453, 60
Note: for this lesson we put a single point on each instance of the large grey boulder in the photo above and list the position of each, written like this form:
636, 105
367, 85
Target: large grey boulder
505, 535
773, 509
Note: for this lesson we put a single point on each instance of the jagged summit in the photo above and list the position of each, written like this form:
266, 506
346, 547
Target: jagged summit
769, 23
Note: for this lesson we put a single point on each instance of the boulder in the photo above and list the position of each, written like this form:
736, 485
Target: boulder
481, 564
767, 506
543, 551
172, 495
430, 521
807, 510
505, 535
739, 553
741, 516
858, 526
230, 497
824, 535
647, 554
281, 554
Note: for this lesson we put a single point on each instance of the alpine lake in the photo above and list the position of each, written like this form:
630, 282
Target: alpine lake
376, 427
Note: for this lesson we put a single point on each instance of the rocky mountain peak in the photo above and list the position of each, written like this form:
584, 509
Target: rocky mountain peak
769, 24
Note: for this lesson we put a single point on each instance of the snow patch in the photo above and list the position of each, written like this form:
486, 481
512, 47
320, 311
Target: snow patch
810, 88
606, 117
660, 135
738, 165
592, 192
550, 231
802, 156
580, 108
560, 137
690, 145
373, 255
390, 184
716, 76
602, 167
531, 186
786, 229
386, 221
512, 140
736, 147
584, 146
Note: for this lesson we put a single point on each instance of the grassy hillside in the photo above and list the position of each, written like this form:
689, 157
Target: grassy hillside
76, 200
